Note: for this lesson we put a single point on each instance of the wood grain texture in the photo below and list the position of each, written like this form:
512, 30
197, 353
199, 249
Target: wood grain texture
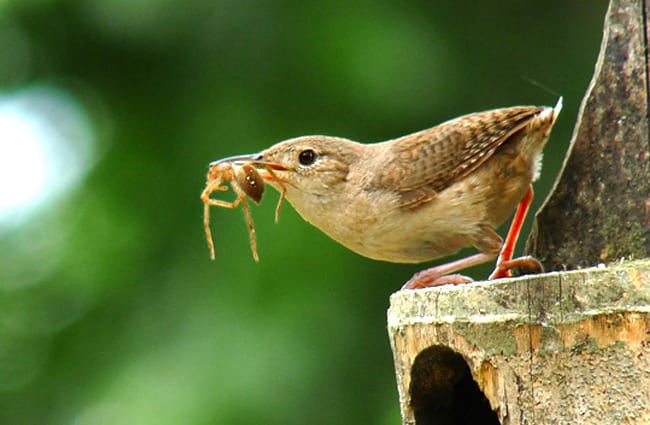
560, 348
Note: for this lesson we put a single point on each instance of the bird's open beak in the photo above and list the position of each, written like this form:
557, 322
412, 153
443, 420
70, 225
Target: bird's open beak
254, 159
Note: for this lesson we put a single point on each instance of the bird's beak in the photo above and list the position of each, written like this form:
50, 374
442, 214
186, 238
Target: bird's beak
256, 159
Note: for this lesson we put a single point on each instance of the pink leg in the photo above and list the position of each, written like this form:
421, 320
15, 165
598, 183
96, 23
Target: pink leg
439, 275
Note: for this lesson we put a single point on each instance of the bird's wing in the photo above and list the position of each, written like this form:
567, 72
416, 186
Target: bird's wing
429, 161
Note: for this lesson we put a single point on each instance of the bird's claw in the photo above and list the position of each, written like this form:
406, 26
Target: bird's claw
527, 262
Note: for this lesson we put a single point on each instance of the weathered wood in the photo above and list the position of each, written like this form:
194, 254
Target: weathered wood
560, 348
599, 210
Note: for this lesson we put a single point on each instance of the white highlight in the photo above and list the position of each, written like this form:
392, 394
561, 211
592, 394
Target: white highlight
46, 142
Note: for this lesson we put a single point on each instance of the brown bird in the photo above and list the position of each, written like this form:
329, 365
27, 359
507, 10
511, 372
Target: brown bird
421, 196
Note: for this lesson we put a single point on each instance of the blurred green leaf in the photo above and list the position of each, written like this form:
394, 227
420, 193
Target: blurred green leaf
111, 309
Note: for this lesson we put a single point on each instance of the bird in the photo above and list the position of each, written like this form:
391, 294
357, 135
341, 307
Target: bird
422, 196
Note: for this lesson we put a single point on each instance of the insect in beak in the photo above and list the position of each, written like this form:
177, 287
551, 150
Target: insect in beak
243, 174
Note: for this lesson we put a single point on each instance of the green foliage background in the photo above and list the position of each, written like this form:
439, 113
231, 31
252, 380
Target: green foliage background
125, 319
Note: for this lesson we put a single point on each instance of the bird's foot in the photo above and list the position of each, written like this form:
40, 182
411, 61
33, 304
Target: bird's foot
443, 274
503, 268
424, 279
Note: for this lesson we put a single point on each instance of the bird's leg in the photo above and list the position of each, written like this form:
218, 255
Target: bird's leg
505, 262
437, 276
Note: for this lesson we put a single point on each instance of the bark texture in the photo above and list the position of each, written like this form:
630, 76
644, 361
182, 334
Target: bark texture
599, 210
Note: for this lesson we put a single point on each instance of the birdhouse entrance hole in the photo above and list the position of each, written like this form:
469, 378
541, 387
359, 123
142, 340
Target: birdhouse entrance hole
442, 390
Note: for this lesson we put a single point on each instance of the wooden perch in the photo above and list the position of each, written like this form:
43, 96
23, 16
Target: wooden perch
565, 347
560, 348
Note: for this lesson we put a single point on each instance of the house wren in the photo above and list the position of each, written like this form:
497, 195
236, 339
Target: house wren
421, 196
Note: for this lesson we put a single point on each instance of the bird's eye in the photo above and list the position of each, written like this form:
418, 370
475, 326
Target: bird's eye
307, 157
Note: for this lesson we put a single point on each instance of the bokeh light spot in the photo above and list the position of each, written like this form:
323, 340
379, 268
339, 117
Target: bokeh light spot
46, 146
